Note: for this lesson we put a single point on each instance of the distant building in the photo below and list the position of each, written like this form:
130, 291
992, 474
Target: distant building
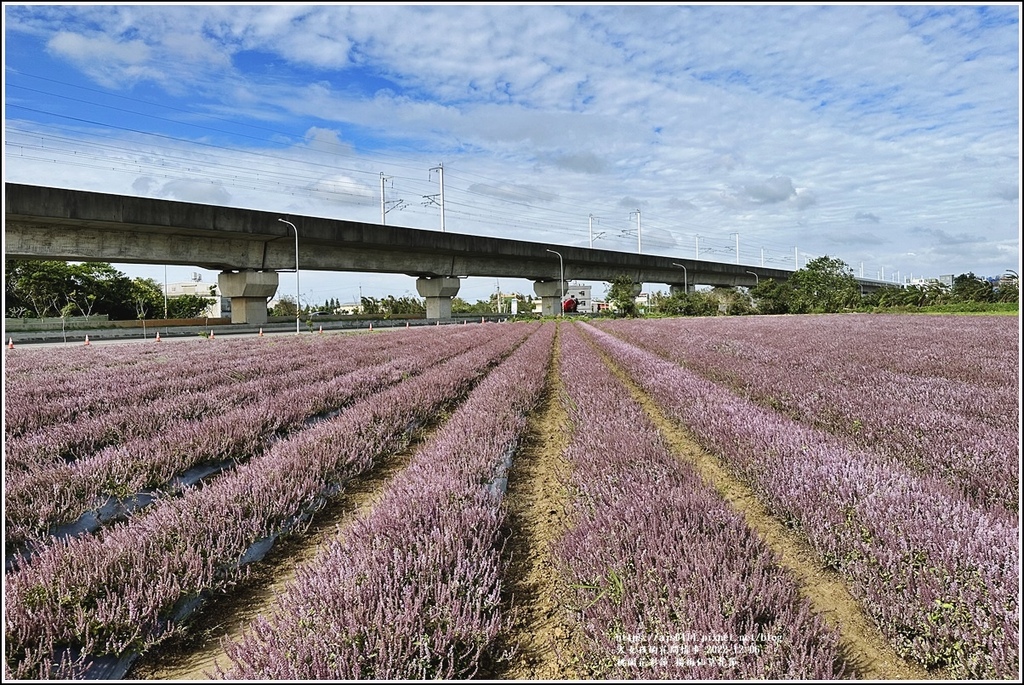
585, 303
348, 309
219, 306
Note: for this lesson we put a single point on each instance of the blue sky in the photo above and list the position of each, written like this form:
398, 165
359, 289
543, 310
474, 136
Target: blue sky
885, 135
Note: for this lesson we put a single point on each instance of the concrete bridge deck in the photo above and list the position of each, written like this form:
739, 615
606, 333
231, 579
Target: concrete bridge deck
250, 247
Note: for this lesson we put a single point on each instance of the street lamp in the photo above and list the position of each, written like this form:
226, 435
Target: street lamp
684, 275
757, 281
561, 276
296, 273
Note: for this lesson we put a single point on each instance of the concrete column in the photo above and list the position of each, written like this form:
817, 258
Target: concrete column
249, 292
438, 292
550, 294
674, 288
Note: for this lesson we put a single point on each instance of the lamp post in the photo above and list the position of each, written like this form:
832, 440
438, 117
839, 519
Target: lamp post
297, 297
561, 276
757, 281
684, 275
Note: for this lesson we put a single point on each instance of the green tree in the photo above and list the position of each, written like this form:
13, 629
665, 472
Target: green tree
1008, 289
736, 303
524, 304
460, 306
622, 294
38, 286
370, 306
826, 284
403, 306
694, 303
285, 306
44, 287
147, 298
187, 306
969, 288
771, 296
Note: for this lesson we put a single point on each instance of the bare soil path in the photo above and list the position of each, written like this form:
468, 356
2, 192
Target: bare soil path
196, 653
538, 644
866, 648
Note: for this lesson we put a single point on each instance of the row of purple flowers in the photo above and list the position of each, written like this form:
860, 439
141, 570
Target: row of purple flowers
87, 605
929, 392
250, 414
63, 385
938, 573
668, 581
412, 590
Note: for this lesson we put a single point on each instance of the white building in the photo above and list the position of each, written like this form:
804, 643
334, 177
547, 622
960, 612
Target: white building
219, 306
585, 303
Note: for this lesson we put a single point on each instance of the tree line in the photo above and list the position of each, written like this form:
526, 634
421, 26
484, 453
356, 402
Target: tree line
44, 288
824, 285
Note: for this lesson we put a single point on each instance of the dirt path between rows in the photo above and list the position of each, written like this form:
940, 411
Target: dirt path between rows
195, 654
865, 647
538, 643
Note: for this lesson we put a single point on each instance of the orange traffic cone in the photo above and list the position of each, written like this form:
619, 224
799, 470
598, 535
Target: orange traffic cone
10, 343
211, 335
481, 319
321, 329
406, 324
371, 326
261, 332
158, 336
87, 340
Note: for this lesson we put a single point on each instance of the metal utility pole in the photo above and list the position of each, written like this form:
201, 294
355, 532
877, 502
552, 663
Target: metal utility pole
440, 174
382, 210
696, 247
737, 247
639, 243
297, 295
592, 231
757, 281
796, 259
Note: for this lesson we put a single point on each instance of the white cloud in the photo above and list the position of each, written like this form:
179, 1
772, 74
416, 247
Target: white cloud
794, 125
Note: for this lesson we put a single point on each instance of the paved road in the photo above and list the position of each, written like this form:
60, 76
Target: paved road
106, 336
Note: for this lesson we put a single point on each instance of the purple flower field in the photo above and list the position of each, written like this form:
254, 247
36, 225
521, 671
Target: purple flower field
142, 480
933, 561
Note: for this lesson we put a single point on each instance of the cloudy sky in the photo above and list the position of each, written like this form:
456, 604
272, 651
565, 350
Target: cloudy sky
887, 136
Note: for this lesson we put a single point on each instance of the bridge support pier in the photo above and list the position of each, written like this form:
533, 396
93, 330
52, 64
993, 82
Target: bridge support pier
249, 292
438, 292
675, 288
550, 294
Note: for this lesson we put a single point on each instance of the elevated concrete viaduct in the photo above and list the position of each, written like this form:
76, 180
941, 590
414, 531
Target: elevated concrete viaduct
250, 247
